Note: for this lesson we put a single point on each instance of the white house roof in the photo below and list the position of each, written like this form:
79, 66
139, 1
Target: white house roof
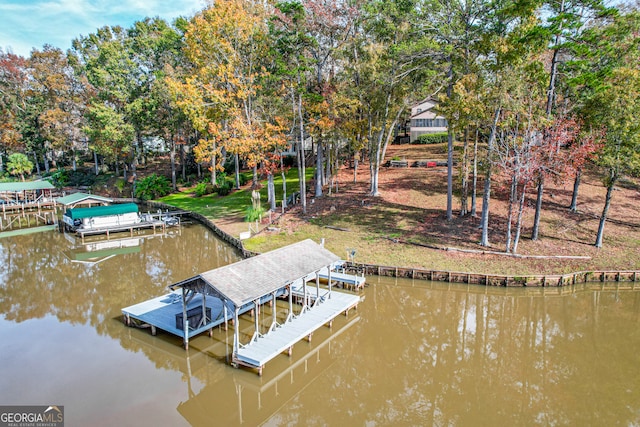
424, 110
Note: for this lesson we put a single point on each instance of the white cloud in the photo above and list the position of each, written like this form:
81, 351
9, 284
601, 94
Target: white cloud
25, 24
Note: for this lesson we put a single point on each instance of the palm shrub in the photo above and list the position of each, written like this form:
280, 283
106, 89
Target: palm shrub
152, 187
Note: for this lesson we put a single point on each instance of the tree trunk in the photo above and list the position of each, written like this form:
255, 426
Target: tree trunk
35, 156
574, 197
173, 164
355, 169
214, 162
449, 174
464, 199
319, 172
236, 162
512, 197
605, 211
183, 163
484, 219
272, 192
475, 175
95, 162
516, 239
301, 159
536, 219
284, 184
380, 146
450, 149
254, 180
45, 158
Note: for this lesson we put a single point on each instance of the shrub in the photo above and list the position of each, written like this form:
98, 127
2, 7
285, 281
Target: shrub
152, 187
201, 189
254, 214
432, 138
224, 187
120, 184
59, 178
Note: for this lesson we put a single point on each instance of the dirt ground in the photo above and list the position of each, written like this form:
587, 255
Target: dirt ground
411, 211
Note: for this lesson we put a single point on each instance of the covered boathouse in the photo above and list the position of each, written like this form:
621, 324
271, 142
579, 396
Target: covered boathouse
215, 297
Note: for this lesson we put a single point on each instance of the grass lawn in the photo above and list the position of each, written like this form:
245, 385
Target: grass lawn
393, 228
237, 202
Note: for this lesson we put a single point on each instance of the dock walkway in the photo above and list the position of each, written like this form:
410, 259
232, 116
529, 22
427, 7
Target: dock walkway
268, 346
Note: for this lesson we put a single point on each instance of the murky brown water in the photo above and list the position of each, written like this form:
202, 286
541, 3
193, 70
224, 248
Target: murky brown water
415, 353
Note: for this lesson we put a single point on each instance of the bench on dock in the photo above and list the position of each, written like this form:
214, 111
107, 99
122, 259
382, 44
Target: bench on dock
398, 163
194, 316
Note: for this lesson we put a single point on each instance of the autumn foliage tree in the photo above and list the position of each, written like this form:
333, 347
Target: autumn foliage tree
13, 76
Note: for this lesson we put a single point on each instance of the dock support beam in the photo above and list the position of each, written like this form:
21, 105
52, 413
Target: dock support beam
224, 309
290, 315
185, 319
274, 310
236, 333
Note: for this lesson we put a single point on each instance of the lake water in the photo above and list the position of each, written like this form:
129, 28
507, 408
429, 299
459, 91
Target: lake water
414, 353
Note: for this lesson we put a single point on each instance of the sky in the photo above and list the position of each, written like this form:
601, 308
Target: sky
28, 24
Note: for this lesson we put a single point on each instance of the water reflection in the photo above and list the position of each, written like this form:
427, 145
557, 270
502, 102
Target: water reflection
415, 353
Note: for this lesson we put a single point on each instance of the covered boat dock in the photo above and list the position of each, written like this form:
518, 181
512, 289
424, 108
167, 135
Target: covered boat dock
24, 202
221, 295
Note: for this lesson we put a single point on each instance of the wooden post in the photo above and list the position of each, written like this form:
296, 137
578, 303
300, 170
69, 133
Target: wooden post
186, 334
274, 310
185, 320
257, 327
204, 310
304, 293
224, 309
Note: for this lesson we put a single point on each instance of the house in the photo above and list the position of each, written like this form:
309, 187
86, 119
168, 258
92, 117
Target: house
425, 120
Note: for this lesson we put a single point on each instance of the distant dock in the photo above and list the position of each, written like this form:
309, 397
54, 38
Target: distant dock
218, 297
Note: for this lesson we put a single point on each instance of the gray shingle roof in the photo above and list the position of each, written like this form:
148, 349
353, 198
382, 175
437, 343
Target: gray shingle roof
252, 278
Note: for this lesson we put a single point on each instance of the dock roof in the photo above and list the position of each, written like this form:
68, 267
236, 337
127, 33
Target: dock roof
25, 186
252, 278
75, 198
79, 213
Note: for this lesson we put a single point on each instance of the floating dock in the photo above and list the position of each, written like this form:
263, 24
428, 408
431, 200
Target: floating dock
221, 295
345, 280
166, 311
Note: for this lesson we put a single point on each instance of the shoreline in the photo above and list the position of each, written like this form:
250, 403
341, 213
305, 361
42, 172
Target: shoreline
481, 279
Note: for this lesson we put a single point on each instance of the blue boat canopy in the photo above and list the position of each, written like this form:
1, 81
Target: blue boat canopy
119, 209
